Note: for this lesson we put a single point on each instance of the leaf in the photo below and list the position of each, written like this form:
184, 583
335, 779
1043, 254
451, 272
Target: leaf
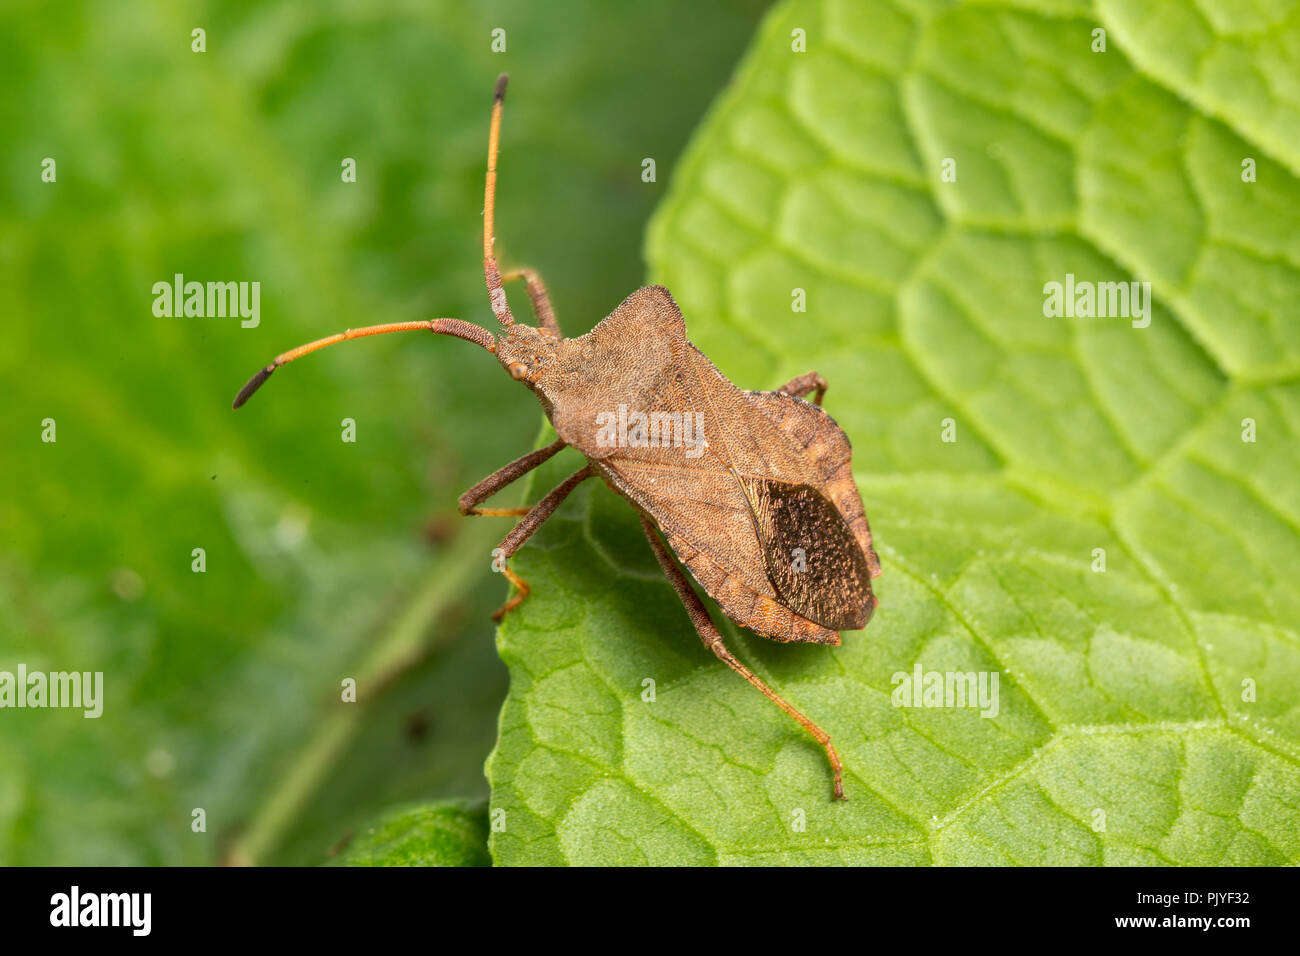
1147, 713
450, 833
223, 688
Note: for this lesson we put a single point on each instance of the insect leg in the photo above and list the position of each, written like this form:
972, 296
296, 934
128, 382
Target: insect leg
524, 530
503, 476
805, 383
712, 639
537, 295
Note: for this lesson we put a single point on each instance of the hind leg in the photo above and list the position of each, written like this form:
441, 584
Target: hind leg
712, 639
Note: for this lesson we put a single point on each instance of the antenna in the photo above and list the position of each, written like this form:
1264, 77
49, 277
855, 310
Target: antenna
461, 330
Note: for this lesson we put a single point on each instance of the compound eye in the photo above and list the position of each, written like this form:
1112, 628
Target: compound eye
518, 370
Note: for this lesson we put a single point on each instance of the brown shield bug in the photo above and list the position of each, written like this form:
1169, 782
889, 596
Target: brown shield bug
752, 491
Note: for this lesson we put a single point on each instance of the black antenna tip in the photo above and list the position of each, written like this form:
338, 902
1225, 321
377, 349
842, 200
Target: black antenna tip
252, 385
499, 93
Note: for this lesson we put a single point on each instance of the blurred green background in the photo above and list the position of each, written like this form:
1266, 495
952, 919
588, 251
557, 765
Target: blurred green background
324, 559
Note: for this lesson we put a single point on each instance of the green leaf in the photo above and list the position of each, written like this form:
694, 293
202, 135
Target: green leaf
1148, 711
451, 833
223, 688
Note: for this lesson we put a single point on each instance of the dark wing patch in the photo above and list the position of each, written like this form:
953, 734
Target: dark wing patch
813, 560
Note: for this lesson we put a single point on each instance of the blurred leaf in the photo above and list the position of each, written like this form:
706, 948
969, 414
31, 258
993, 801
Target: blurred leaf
451, 833
223, 688
1147, 714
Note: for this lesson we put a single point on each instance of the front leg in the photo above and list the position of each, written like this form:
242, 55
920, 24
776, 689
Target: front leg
805, 383
494, 482
524, 530
538, 296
